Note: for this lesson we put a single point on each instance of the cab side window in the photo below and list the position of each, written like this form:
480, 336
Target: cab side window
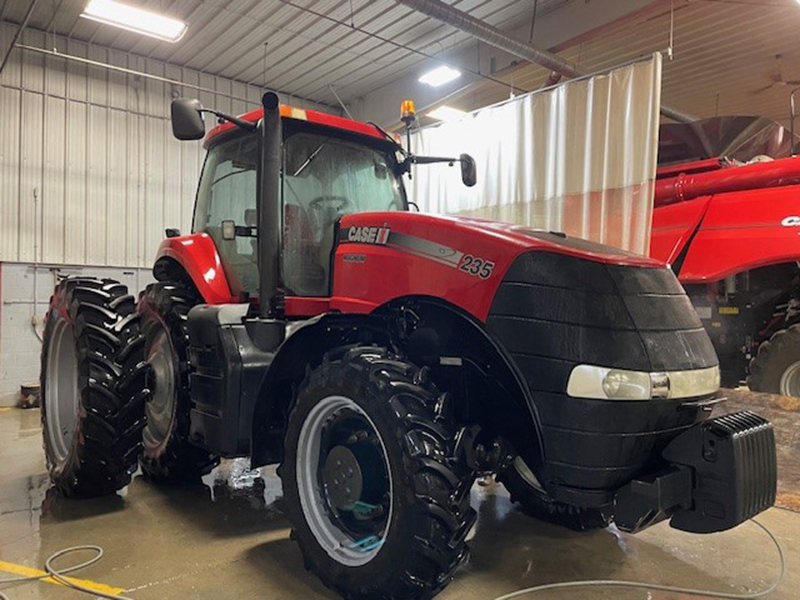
228, 192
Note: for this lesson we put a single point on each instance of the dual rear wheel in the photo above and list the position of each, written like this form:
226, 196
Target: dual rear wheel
167, 453
114, 383
93, 387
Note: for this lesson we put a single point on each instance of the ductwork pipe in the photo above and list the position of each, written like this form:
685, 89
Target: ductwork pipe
440, 11
436, 9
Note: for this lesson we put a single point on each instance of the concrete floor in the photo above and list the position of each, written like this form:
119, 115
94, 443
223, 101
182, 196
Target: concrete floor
228, 538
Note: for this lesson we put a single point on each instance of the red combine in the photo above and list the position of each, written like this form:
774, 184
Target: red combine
727, 218
384, 359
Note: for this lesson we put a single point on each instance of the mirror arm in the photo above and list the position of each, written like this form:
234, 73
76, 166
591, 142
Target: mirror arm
427, 160
241, 123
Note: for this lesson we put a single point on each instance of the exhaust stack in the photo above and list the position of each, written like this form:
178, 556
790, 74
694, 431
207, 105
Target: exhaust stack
269, 233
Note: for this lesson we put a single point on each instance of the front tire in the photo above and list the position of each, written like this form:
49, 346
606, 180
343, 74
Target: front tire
537, 503
775, 369
92, 385
168, 454
370, 422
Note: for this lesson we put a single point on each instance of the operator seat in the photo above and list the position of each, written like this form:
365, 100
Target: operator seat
302, 273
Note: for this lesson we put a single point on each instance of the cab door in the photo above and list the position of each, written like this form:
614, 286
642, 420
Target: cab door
327, 176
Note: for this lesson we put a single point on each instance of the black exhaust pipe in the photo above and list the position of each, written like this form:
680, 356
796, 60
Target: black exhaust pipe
269, 206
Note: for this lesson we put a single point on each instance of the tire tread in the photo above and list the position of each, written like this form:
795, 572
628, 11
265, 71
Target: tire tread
110, 422
431, 469
169, 303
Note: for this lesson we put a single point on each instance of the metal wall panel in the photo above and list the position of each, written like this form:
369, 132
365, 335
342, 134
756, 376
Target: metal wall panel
77, 80
30, 172
50, 238
96, 192
116, 187
75, 193
133, 236
89, 171
10, 106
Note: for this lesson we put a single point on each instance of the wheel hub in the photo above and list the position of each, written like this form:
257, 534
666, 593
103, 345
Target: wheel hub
61, 394
344, 481
160, 407
342, 477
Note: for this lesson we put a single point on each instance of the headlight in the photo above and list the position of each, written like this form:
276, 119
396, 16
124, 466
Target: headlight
589, 381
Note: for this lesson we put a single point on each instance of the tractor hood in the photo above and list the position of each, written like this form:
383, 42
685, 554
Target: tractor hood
383, 256
461, 235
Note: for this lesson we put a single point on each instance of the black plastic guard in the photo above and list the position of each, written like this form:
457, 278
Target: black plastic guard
735, 471
229, 354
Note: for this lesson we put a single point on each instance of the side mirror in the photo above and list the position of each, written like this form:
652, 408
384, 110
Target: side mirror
228, 230
469, 172
187, 120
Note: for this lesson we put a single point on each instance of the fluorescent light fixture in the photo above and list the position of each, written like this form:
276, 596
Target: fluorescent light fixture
135, 19
440, 76
446, 113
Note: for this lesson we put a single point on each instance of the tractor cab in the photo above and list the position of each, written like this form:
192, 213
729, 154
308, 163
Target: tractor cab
329, 167
328, 172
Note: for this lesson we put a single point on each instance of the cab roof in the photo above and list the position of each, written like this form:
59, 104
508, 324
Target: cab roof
300, 114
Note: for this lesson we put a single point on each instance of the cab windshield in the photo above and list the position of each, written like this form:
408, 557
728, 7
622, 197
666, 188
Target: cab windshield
325, 176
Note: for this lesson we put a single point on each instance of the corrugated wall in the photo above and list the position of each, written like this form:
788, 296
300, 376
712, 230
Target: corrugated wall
89, 171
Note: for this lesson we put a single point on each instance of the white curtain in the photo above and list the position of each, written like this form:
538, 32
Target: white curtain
579, 158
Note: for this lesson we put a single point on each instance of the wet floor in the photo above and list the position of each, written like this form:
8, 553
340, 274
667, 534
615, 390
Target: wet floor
228, 538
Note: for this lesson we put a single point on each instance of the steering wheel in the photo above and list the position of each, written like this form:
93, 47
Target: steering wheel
394, 206
340, 203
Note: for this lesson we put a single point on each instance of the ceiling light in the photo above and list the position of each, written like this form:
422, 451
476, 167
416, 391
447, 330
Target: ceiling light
135, 19
440, 76
446, 113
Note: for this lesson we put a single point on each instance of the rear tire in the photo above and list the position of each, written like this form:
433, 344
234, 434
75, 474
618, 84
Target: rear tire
538, 504
92, 385
775, 368
168, 455
419, 532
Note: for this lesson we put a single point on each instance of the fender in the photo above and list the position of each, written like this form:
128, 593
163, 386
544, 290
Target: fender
497, 389
444, 330
197, 256
302, 350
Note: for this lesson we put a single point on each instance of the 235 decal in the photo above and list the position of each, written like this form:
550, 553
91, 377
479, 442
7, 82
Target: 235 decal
476, 266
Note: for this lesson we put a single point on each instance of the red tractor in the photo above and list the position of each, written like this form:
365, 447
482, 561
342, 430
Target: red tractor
727, 219
385, 359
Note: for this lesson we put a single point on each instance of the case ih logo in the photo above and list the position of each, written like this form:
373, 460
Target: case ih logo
369, 235
792, 221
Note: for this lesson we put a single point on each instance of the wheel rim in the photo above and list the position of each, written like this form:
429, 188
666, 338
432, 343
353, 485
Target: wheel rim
62, 398
344, 481
160, 406
790, 380
527, 475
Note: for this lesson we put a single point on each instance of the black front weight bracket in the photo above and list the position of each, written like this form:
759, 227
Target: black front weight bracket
721, 473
